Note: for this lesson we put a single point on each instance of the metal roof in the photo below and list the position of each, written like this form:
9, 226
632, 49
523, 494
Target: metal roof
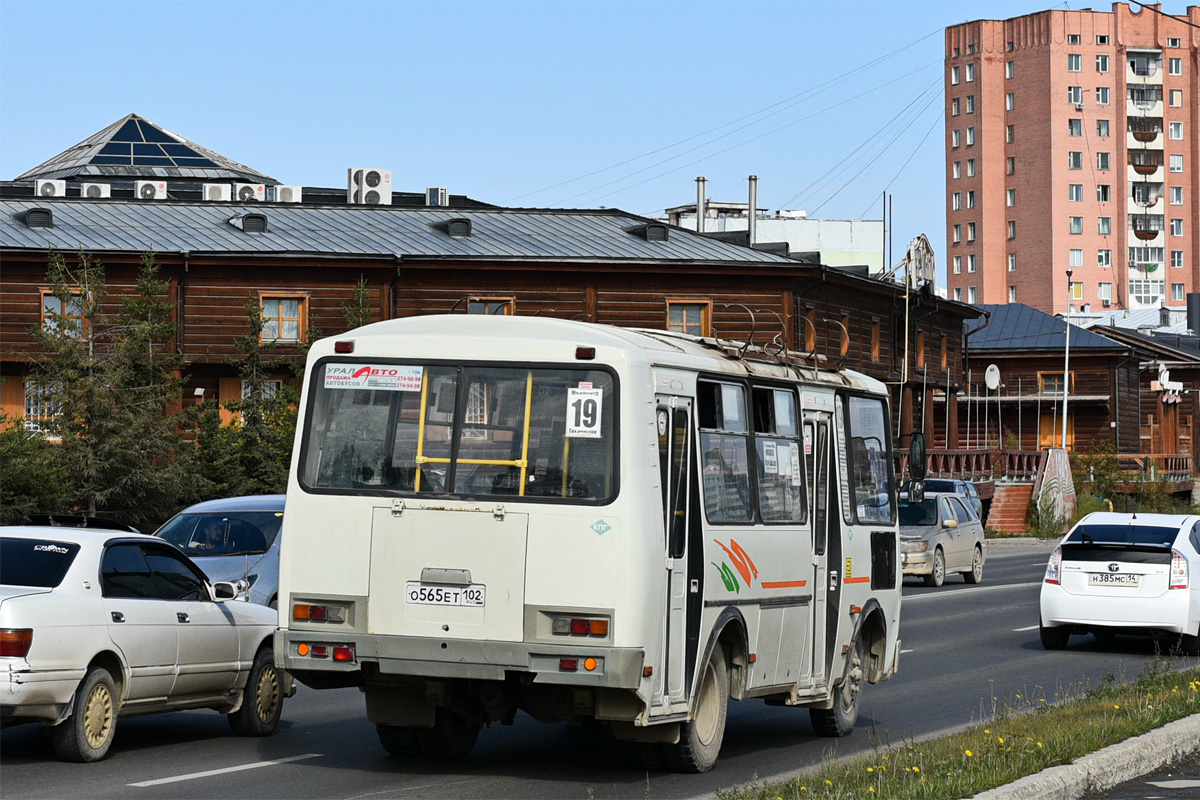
132, 226
1019, 327
133, 147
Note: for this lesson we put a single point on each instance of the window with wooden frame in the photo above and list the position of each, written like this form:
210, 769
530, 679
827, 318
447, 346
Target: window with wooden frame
492, 306
40, 405
810, 330
845, 334
270, 389
284, 317
689, 315
945, 359
69, 315
874, 341
1051, 383
920, 349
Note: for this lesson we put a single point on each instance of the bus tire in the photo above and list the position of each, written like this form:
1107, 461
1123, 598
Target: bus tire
451, 737
975, 574
700, 737
87, 734
839, 720
937, 573
399, 740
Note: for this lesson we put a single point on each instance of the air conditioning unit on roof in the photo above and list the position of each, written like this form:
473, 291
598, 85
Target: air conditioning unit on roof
150, 190
250, 192
288, 194
437, 196
50, 188
218, 192
95, 190
369, 186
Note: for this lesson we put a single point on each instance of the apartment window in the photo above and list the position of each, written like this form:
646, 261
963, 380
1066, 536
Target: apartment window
971, 199
958, 295
1102, 39
1172, 41
1102, 128
954, 107
972, 295
1009, 101
1073, 38
1103, 193
1103, 160
1075, 192
1101, 63
1104, 225
970, 168
1174, 66
958, 265
1076, 292
1075, 127
1074, 62
971, 231
956, 201
1175, 98
957, 169
1010, 165
1177, 259
955, 138
1076, 257
1010, 197
1143, 195
971, 263
40, 406
1176, 162
1074, 160
1145, 255
954, 75
1012, 229
956, 52
1104, 258
1175, 130
1103, 96
1176, 195
1012, 294
970, 72
690, 316
1177, 227
493, 306
1076, 225
1008, 133
1009, 69
970, 48
970, 104
1012, 262
1104, 291
957, 233
69, 314
283, 318
970, 136
1176, 291
1075, 95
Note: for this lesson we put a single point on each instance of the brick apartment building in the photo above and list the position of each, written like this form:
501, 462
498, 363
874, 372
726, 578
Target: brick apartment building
1072, 142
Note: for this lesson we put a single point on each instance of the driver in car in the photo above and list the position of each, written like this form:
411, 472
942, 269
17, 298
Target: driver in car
211, 536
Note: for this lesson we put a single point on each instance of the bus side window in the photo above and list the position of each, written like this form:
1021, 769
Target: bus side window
724, 452
780, 474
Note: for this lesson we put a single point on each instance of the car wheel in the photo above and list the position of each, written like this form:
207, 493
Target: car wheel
452, 735
839, 720
701, 736
88, 733
937, 575
262, 702
1054, 638
976, 573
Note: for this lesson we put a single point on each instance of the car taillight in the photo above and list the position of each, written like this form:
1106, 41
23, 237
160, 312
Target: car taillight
1179, 570
15, 643
1054, 565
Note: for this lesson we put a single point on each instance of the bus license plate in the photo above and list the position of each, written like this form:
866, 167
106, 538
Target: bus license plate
423, 594
1113, 579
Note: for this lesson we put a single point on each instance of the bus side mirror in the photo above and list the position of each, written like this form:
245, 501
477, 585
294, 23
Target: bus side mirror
916, 457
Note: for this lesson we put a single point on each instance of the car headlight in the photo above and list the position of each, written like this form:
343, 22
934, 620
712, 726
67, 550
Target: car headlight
914, 546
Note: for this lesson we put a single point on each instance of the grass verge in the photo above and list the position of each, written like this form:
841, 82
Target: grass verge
1025, 734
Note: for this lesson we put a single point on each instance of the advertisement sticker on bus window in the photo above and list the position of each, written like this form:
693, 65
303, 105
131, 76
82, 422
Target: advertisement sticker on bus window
383, 377
795, 466
583, 413
808, 440
770, 458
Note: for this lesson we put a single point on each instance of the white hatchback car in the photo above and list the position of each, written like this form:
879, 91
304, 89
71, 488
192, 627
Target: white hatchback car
100, 624
1125, 574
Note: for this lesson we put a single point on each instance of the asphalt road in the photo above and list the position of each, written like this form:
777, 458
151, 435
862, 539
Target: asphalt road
965, 648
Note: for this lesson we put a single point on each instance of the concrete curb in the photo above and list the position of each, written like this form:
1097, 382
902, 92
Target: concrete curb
1104, 769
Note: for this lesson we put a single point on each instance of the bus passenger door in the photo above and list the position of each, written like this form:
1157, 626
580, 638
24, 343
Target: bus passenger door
816, 450
674, 445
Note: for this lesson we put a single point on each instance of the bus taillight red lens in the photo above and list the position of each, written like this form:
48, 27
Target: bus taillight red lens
580, 627
568, 664
343, 653
15, 643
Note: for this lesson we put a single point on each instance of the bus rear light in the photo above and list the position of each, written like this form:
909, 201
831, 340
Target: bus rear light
590, 664
15, 643
314, 650
1179, 570
344, 346
316, 613
578, 626
585, 353
343, 652
568, 664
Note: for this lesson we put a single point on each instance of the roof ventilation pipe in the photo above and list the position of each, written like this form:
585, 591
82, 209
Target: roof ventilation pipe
700, 204
753, 210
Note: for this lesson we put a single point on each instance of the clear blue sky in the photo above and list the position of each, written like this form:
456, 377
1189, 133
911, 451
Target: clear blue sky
541, 104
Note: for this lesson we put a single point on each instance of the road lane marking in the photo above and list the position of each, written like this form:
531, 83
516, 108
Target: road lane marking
1030, 628
960, 592
210, 772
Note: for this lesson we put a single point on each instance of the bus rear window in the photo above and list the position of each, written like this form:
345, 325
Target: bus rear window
35, 562
471, 431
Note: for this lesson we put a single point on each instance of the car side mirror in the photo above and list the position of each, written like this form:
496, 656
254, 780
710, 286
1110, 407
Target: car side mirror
224, 590
949, 523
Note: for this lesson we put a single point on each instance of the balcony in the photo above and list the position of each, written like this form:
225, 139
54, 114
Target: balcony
1146, 162
1144, 129
1147, 226
1144, 98
1147, 196
1143, 68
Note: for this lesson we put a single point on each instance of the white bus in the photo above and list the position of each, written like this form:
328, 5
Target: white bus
490, 514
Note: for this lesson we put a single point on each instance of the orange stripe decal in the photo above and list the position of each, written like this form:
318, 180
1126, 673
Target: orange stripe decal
858, 580
782, 584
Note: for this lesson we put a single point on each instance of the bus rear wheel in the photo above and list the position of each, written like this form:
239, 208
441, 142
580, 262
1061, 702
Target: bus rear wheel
701, 736
839, 720
452, 735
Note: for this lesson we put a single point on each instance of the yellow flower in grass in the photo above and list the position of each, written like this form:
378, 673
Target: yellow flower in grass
1116, 705
1000, 739
870, 788
828, 782
916, 769
987, 730
969, 754
1039, 744
870, 769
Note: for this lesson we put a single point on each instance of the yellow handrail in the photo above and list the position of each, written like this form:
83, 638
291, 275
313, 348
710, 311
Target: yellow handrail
421, 432
524, 463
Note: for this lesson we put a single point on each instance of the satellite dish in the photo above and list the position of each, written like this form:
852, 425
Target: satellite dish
991, 377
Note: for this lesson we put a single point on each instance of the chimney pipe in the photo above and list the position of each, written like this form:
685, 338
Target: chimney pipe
753, 208
700, 209
1193, 312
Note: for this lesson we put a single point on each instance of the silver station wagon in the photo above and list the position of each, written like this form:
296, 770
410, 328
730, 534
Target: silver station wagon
939, 535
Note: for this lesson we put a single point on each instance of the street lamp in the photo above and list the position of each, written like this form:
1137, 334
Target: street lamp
1067, 361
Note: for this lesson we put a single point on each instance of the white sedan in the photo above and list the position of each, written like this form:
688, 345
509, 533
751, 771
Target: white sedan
100, 624
1125, 574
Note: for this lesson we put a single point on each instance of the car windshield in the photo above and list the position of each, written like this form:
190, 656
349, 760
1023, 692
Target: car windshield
933, 485
1131, 534
229, 533
923, 513
35, 562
